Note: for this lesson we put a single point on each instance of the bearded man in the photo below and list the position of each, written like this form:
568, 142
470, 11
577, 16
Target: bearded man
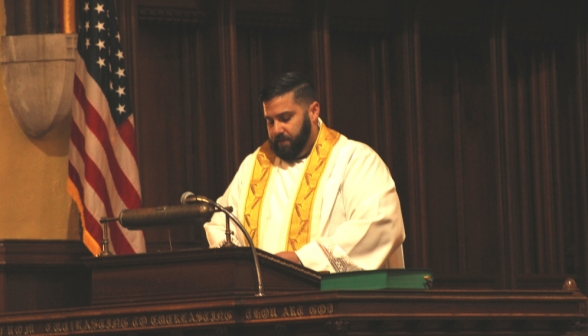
309, 194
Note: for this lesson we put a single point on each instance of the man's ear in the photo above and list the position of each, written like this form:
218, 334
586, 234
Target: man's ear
314, 111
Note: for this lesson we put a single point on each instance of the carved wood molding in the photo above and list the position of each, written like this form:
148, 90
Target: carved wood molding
362, 25
173, 15
333, 313
267, 20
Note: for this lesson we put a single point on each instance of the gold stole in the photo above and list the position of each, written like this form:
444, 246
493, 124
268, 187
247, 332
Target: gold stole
300, 222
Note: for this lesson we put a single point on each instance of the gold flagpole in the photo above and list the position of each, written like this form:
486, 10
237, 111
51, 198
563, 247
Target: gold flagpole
68, 16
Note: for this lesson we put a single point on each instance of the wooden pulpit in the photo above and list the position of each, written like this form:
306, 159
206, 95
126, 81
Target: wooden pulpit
213, 292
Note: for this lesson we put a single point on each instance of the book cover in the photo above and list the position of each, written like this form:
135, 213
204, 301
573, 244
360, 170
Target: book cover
379, 279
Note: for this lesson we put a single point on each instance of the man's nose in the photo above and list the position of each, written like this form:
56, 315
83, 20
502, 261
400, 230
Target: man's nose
277, 128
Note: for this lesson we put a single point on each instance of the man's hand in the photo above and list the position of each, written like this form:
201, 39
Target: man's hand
290, 256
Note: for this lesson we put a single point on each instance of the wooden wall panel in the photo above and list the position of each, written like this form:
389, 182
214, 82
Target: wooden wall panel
542, 60
475, 155
438, 152
164, 127
407, 164
264, 52
355, 110
543, 100
478, 108
177, 136
163, 123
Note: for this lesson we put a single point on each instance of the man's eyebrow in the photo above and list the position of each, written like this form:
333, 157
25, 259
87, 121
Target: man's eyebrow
285, 113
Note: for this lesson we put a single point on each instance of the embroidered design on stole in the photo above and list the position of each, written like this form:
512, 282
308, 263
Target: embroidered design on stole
259, 178
299, 231
300, 222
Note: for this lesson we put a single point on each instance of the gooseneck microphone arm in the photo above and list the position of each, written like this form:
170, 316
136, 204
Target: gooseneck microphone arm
189, 197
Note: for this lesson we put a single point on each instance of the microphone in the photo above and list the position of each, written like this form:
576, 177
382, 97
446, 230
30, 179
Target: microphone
136, 219
189, 198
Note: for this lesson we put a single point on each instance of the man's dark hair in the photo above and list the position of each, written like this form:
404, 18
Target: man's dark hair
304, 92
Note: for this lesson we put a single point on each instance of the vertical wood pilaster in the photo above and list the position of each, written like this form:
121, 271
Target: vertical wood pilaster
228, 76
410, 55
580, 189
505, 145
321, 55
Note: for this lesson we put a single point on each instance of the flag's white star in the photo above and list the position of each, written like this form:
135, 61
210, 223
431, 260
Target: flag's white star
87, 43
111, 86
118, 36
87, 25
87, 7
100, 26
100, 44
120, 109
101, 62
119, 54
120, 72
99, 8
120, 91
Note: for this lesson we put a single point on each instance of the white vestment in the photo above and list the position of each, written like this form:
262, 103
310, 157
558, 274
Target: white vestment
356, 219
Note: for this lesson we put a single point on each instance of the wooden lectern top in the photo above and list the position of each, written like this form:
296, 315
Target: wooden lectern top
194, 273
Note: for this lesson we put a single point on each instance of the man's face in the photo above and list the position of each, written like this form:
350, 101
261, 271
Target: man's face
288, 126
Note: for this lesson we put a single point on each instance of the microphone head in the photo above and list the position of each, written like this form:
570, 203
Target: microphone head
184, 198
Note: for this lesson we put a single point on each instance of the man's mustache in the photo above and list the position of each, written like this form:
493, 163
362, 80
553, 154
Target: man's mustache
282, 137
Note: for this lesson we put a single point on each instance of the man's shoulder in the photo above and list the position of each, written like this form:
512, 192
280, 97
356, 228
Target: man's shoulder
355, 148
249, 159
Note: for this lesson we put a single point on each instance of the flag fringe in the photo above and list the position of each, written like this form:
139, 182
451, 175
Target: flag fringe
87, 238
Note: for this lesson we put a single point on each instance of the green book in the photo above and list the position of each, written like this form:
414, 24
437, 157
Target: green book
379, 279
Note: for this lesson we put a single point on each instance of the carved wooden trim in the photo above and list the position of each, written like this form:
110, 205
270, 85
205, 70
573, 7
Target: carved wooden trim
351, 24
268, 20
338, 327
334, 313
41, 253
172, 15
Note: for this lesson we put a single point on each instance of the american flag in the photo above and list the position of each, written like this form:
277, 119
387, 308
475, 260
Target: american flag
103, 174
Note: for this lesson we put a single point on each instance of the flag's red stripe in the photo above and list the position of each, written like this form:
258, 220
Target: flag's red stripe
94, 176
119, 240
127, 134
125, 188
96, 180
92, 226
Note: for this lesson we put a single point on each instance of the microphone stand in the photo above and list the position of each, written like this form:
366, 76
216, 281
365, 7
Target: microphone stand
230, 215
105, 251
228, 233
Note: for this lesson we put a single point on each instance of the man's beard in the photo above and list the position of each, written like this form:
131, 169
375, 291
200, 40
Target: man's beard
291, 151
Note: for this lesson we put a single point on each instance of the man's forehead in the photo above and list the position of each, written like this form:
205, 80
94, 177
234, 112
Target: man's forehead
279, 104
